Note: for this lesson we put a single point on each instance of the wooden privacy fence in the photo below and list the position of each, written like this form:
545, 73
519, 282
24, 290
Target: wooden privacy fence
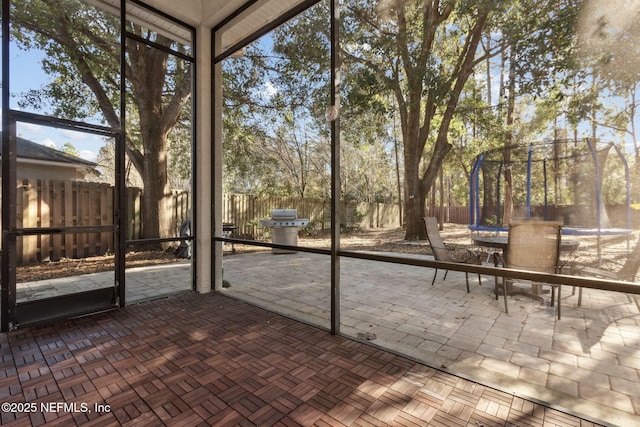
49, 203
179, 205
245, 211
45, 203
450, 214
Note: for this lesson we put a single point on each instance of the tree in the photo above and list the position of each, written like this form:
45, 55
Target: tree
607, 41
69, 148
245, 168
81, 44
423, 53
367, 175
291, 150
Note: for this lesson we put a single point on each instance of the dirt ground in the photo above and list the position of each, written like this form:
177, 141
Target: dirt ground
73, 267
457, 238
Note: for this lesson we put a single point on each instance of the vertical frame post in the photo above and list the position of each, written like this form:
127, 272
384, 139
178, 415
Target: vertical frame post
119, 203
546, 192
499, 194
335, 166
216, 165
8, 263
594, 154
4, 266
529, 165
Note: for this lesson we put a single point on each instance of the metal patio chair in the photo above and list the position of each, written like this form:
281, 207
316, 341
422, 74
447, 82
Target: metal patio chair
440, 252
627, 273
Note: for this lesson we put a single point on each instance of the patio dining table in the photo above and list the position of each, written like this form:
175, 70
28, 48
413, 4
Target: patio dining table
501, 242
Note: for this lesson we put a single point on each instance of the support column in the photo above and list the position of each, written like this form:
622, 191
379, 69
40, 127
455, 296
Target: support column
216, 98
203, 207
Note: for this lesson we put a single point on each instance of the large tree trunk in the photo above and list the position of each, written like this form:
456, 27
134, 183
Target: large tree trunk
415, 202
156, 193
508, 141
489, 196
158, 114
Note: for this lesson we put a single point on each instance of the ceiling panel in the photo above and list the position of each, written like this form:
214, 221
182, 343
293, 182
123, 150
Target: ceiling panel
257, 14
150, 20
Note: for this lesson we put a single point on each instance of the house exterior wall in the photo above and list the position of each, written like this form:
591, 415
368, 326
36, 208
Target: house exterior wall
49, 171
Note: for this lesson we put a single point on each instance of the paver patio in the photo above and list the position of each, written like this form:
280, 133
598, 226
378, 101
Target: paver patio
587, 363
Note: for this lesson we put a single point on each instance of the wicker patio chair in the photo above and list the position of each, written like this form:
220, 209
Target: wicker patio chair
440, 252
534, 246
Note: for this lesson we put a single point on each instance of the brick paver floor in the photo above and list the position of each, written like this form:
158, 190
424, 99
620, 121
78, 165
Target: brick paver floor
211, 360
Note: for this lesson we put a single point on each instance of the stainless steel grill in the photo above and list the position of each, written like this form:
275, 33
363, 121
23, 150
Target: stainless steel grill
284, 225
284, 218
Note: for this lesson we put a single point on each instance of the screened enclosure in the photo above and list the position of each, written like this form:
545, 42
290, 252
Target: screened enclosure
96, 156
286, 153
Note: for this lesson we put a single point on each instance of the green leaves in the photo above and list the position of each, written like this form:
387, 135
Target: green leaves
79, 43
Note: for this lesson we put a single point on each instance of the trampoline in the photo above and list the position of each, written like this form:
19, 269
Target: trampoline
584, 183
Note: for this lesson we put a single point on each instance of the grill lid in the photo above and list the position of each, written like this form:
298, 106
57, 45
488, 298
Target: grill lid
284, 213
